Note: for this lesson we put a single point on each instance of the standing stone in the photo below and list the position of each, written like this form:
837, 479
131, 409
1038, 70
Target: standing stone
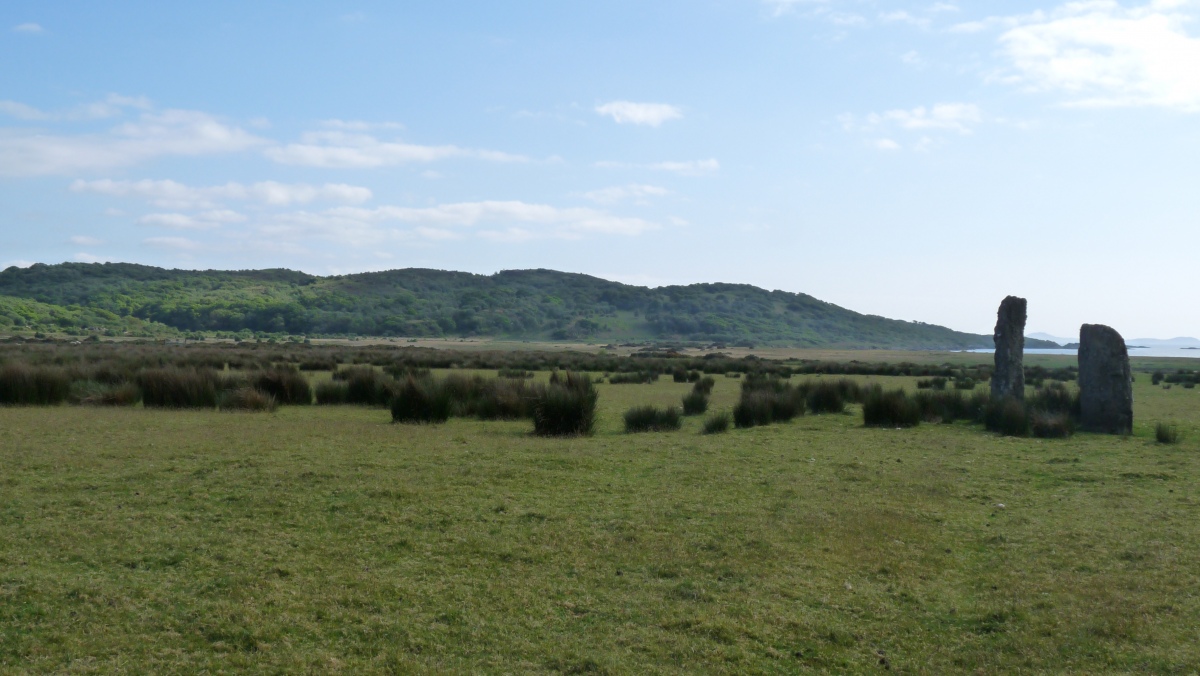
1008, 379
1105, 385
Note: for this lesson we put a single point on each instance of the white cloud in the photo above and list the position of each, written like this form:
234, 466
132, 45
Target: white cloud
203, 221
1101, 54
960, 117
154, 134
687, 168
361, 226
886, 144
28, 28
342, 150
84, 240
649, 114
89, 258
172, 195
623, 192
180, 243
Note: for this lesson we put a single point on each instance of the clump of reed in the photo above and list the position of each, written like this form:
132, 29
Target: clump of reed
93, 393
1008, 416
892, 408
23, 385
246, 399
1166, 433
287, 387
179, 387
651, 419
633, 378
565, 407
935, 383
717, 423
421, 400
695, 403
765, 400
704, 385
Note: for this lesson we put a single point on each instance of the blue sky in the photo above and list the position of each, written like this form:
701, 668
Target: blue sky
915, 160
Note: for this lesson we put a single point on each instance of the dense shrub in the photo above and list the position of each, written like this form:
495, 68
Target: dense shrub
179, 388
328, 364
679, 374
23, 385
890, 409
717, 423
943, 406
693, 376
1166, 433
288, 387
333, 392
421, 400
502, 399
651, 419
246, 399
964, 383
1008, 416
566, 407
1054, 398
1157, 377
695, 403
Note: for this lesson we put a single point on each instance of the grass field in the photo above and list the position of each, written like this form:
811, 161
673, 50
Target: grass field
326, 539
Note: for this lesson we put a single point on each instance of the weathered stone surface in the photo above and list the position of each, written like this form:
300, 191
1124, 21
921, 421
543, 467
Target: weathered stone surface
1008, 379
1105, 386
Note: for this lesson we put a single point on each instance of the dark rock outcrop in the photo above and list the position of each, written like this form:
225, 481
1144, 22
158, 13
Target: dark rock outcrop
1105, 385
1008, 380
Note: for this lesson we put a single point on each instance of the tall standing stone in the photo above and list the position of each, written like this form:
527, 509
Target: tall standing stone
1105, 385
1008, 379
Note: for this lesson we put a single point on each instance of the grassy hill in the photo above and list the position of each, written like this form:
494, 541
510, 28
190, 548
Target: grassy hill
515, 304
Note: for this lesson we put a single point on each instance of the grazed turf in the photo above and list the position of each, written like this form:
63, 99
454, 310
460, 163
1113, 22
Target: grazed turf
325, 539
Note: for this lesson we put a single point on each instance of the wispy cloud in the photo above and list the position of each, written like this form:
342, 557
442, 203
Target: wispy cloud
85, 240
491, 219
647, 114
175, 243
343, 150
112, 106
621, 193
687, 168
154, 134
207, 220
959, 117
28, 28
174, 195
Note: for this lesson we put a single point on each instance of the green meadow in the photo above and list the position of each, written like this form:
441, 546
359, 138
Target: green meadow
327, 539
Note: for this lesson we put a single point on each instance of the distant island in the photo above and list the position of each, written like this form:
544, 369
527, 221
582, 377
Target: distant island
129, 299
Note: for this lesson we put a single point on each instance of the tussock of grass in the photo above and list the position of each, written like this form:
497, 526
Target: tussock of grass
651, 419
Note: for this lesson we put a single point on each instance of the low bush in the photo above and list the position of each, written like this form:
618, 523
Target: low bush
890, 409
514, 373
367, 387
246, 399
179, 388
1007, 416
695, 403
566, 407
765, 400
421, 400
1046, 425
717, 423
679, 374
693, 376
651, 419
937, 383
964, 383
704, 385
943, 407
1165, 433
1054, 398
633, 378
288, 387
91, 393
22, 385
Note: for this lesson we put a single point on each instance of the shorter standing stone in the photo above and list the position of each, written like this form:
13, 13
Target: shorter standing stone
1105, 385
1008, 379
